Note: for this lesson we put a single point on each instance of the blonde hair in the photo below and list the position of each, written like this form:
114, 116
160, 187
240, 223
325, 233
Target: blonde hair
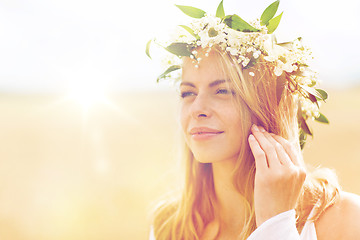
269, 104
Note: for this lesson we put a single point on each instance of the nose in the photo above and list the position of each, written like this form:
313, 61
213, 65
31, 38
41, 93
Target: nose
200, 107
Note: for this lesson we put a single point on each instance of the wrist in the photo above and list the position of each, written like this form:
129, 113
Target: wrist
262, 218
281, 226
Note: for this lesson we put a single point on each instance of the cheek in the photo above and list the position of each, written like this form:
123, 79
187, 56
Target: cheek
235, 128
236, 122
237, 125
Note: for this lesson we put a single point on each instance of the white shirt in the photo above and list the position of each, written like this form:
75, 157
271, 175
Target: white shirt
283, 227
279, 227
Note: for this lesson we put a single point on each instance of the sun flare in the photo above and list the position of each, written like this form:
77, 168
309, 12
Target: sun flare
87, 95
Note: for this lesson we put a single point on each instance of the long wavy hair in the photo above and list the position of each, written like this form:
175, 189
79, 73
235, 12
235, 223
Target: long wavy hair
271, 104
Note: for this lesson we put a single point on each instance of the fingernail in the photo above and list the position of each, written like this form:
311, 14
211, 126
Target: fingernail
262, 129
251, 137
255, 127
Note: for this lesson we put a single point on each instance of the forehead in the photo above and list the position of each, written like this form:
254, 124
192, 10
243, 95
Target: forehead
209, 69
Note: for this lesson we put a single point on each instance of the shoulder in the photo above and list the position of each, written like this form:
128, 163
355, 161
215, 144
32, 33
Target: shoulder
341, 220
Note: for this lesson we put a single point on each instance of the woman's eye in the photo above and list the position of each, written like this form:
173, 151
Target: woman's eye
186, 94
223, 91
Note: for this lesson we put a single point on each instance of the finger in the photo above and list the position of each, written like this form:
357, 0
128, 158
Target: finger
259, 155
283, 156
266, 146
289, 148
280, 151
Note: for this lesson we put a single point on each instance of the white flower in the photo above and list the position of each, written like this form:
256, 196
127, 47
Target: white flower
270, 58
278, 71
304, 81
250, 49
256, 54
309, 108
232, 51
245, 62
288, 67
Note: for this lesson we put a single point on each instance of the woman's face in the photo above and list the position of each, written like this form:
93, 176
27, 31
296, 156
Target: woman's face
210, 117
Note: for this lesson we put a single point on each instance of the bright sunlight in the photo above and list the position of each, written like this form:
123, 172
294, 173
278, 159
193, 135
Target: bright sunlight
87, 95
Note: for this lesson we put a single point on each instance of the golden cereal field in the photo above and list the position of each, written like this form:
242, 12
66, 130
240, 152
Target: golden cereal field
70, 174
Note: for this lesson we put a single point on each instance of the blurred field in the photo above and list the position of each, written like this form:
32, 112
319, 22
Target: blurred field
68, 174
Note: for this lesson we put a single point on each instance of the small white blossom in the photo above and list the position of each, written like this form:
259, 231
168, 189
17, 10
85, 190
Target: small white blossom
278, 71
232, 51
288, 67
245, 62
256, 54
309, 108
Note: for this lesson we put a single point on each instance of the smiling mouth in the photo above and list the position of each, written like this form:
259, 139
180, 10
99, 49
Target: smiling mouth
202, 133
202, 136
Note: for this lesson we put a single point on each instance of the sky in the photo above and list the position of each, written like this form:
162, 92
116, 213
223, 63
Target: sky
62, 45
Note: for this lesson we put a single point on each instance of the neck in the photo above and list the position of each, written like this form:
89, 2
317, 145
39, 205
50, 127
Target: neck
231, 204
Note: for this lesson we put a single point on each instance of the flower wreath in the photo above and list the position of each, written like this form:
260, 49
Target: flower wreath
246, 42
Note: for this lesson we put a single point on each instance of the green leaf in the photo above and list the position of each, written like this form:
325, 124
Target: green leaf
323, 94
311, 91
314, 99
313, 94
190, 31
180, 49
322, 119
302, 139
302, 122
147, 51
274, 23
305, 127
169, 70
220, 13
269, 13
192, 11
237, 23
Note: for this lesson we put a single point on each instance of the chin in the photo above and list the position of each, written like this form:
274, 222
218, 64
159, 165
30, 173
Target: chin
216, 155
207, 158
213, 152
203, 160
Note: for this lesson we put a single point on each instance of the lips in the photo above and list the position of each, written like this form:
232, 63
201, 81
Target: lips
202, 133
203, 130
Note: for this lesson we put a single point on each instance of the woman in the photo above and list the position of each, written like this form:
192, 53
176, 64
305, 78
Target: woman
243, 100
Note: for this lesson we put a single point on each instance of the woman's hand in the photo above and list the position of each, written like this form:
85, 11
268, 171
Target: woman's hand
279, 175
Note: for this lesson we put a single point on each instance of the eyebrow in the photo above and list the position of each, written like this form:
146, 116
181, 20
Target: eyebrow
187, 84
217, 82
212, 84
